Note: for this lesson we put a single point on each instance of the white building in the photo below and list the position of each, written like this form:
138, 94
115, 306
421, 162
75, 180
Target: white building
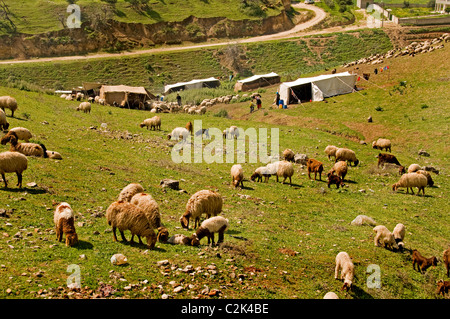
441, 5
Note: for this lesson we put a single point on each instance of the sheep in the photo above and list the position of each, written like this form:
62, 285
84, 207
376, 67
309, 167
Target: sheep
152, 123
442, 287
28, 149
345, 154
414, 168
8, 102
53, 155
178, 133
446, 260
422, 263
334, 179
13, 162
180, 239
427, 174
330, 295
389, 158
340, 168
330, 150
85, 107
288, 155
315, 166
63, 217
362, 220
399, 235
259, 173
151, 209
126, 216
201, 111
189, 127
3, 122
202, 202
382, 143
231, 132
410, 180
129, 191
384, 237
344, 263
285, 169
22, 133
209, 227
237, 175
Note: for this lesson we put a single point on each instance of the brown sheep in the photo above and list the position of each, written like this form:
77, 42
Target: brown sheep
446, 260
63, 218
28, 149
314, 166
334, 179
189, 127
443, 287
288, 155
422, 263
389, 158
202, 202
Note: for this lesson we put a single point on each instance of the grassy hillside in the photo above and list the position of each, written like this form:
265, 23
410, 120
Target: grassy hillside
282, 239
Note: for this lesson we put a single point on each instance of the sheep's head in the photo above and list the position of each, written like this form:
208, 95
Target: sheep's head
169, 136
254, 176
163, 234
71, 239
347, 285
356, 162
184, 220
141, 125
193, 240
394, 187
401, 170
434, 261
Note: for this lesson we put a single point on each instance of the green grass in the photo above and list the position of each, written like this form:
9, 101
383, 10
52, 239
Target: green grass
305, 217
413, 12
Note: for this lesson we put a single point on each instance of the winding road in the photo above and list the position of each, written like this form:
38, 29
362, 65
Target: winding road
296, 31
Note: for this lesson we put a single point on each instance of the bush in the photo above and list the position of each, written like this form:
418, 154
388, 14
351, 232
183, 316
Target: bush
221, 113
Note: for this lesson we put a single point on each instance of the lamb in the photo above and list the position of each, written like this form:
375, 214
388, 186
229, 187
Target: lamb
382, 143
259, 173
340, 168
237, 175
414, 168
209, 227
63, 218
334, 179
202, 202
427, 174
22, 133
345, 154
446, 260
3, 122
180, 239
126, 216
151, 209
422, 263
85, 107
129, 191
285, 169
315, 166
178, 133
344, 263
8, 102
152, 123
13, 162
189, 127
330, 150
384, 237
389, 158
443, 287
410, 180
288, 155
53, 155
28, 149
399, 235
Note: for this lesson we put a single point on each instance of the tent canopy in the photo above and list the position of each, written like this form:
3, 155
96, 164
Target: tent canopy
257, 81
130, 94
317, 88
211, 82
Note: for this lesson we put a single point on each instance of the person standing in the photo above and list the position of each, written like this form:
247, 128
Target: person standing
179, 99
277, 99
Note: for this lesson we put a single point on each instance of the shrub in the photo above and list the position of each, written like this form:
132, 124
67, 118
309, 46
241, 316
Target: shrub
221, 113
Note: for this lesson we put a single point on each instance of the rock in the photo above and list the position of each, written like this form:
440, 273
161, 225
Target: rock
162, 262
424, 153
300, 158
363, 220
178, 289
118, 259
171, 183
431, 169
31, 184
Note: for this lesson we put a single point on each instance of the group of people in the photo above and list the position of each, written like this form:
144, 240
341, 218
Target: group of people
257, 97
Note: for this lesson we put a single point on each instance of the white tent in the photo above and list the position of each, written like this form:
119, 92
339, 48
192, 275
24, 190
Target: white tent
257, 81
194, 84
317, 88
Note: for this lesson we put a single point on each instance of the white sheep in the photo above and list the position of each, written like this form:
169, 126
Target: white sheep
288, 155
178, 133
383, 237
399, 233
382, 143
285, 170
340, 168
53, 155
129, 191
259, 173
237, 175
209, 227
345, 154
202, 202
3, 122
414, 168
201, 111
8, 102
85, 107
363, 220
28, 149
152, 123
231, 132
180, 239
22, 133
345, 264
427, 174
410, 180
13, 162
330, 150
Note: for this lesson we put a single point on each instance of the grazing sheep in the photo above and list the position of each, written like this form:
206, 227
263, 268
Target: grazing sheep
232, 132
443, 287
422, 263
8, 102
384, 158
382, 143
340, 168
285, 170
178, 133
288, 155
330, 150
344, 263
189, 127
209, 227
126, 216
129, 191
63, 218
237, 175
315, 166
410, 180
384, 237
330, 295
414, 168
3, 122
446, 260
259, 173
180, 239
345, 154
22, 133
152, 123
427, 174
53, 155
28, 149
85, 107
362, 220
334, 179
13, 162
151, 209
399, 234
202, 202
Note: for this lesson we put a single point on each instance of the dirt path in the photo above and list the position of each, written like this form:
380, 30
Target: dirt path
298, 30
